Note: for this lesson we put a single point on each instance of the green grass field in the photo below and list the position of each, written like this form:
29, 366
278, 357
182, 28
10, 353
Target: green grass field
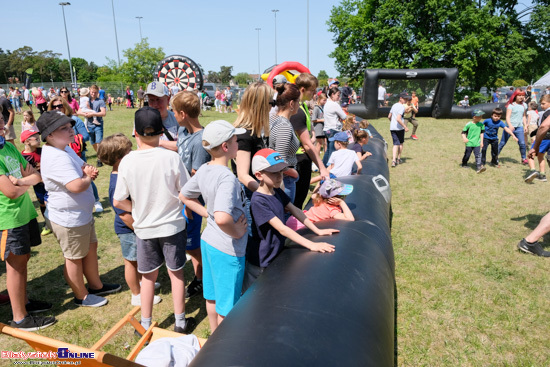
466, 297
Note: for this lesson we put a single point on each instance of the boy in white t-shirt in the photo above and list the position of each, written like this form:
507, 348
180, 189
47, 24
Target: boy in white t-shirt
152, 177
398, 127
68, 179
342, 160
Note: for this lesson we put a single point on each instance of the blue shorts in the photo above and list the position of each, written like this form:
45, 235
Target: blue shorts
128, 245
40, 192
96, 133
222, 278
194, 232
544, 146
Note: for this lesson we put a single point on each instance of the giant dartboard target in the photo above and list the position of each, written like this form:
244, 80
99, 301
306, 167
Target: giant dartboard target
181, 71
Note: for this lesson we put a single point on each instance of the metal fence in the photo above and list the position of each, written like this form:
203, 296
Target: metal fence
115, 89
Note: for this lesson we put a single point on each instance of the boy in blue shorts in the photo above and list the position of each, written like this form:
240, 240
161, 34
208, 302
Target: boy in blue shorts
490, 137
18, 232
187, 108
223, 242
544, 145
152, 177
472, 135
111, 151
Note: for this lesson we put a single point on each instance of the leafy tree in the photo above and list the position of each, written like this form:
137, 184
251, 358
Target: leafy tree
242, 79
500, 83
225, 74
323, 78
519, 83
141, 62
483, 39
213, 77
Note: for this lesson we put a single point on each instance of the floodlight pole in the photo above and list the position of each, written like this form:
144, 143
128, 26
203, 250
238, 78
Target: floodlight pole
73, 80
116, 36
259, 70
307, 57
140, 36
275, 11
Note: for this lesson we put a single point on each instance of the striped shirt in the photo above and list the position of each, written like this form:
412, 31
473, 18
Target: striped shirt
282, 139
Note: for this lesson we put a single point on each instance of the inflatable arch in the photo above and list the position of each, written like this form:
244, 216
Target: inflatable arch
290, 69
313, 309
442, 105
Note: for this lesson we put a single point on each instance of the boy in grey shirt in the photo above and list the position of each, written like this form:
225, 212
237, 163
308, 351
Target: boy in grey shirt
223, 242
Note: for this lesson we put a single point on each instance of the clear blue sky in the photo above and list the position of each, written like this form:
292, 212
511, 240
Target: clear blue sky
212, 33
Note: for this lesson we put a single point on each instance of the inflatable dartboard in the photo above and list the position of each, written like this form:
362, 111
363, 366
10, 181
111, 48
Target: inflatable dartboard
181, 71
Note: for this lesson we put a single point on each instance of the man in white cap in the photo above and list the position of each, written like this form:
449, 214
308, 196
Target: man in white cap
159, 98
465, 102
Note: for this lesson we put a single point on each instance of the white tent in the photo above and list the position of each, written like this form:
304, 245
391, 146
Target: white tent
545, 80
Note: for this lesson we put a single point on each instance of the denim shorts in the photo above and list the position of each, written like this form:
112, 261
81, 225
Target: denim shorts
222, 277
96, 133
128, 245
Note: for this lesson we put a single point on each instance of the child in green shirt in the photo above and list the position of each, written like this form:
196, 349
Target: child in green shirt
472, 135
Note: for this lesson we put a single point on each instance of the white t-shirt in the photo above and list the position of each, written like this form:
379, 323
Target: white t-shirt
397, 109
85, 104
381, 93
333, 111
153, 179
58, 168
343, 160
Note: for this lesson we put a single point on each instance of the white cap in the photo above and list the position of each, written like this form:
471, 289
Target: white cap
465, 97
157, 89
219, 131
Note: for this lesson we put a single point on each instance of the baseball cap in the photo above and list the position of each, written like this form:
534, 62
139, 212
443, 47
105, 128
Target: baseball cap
219, 131
465, 97
268, 160
279, 79
344, 104
331, 187
148, 117
477, 113
157, 89
334, 82
404, 95
27, 134
51, 121
341, 136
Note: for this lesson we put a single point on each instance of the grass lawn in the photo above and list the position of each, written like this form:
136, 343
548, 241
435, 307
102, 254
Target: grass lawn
465, 295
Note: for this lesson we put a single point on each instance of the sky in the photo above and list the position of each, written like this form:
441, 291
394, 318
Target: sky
212, 33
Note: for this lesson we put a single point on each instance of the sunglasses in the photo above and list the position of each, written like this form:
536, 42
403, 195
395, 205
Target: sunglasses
57, 106
64, 91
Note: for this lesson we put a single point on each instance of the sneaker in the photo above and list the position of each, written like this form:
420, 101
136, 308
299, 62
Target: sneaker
531, 175
190, 324
98, 207
91, 300
542, 177
414, 137
525, 161
393, 164
314, 168
33, 323
481, 170
399, 161
534, 248
496, 165
194, 288
4, 299
136, 300
46, 231
35, 306
464, 166
99, 163
107, 289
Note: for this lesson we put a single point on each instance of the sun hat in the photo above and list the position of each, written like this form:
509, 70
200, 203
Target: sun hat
51, 121
268, 160
331, 187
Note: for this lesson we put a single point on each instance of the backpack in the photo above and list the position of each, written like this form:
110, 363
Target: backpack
79, 145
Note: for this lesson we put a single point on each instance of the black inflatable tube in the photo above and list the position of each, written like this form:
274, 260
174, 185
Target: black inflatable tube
312, 309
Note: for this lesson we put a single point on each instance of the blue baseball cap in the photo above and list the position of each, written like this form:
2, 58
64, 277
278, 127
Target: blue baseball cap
341, 136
